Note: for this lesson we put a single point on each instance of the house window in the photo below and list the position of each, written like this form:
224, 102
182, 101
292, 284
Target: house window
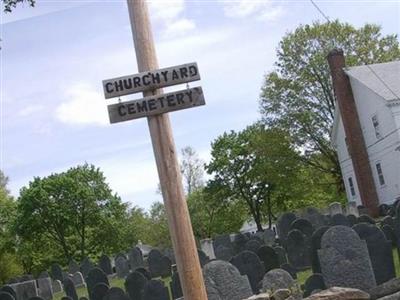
380, 174
351, 185
375, 122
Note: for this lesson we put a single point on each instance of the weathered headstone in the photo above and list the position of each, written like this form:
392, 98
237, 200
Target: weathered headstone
290, 269
380, 251
340, 219
56, 286
176, 288
99, 291
170, 254
69, 289
95, 276
283, 226
388, 220
383, 209
155, 261
223, 253
25, 290
44, 274
281, 252
335, 208
304, 226
298, 250
223, 281
122, 267
269, 237
10, 290
155, 290
390, 234
77, 279
135, 258
115, 293
222, 240
345, 260
134, 285
314, 217
248, 263
73, 267
351, 208
86, 266
105, 264
45, 288
56, 272
352, 220
6, 296
144, 272
253, 245
268, 257
207, 246
202, 257
313, 283
279, 279
239, 242
315, 246
165, 268
365, 219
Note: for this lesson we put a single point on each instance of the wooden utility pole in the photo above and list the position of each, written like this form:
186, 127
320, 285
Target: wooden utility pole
180, 227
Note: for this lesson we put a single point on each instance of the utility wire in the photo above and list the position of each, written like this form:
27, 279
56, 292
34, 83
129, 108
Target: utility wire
368, 66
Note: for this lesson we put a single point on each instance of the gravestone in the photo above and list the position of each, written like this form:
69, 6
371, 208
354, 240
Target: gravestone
248, 263
340, 219
99, 291
10, 290
268, 257
122, 267
345, 260
202, 257
298, 250
384, 209
165, 268
135, 258
120, 254
44, 274
115, 293
25, 290
365, 219
362, 210
269, 237
69, 289
390, 234
335, 208
314, 217
176, 288
56, 286
77, 279
155, 290
222, 240
281, 252
134, 285
279, 279
155, 261
315, 246
45, 288
388, 220
105, 264
313, 283
253, 245
380, 251
86, 266
95, 276
144, 272
223, 253
351, 209
56, 272
6, 296
224, 282
73, 267
290, 269
207, 246
27, 277
239, 242
302, 225
352, 220
171, 255
283, 226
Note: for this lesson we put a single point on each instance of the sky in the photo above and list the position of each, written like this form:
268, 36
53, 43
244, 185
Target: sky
55, 56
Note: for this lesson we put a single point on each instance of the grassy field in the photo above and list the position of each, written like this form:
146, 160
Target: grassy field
301, 278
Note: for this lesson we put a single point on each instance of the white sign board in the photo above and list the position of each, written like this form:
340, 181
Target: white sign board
151, 80
154, 105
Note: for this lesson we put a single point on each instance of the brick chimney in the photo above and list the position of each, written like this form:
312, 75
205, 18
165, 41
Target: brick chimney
355, 139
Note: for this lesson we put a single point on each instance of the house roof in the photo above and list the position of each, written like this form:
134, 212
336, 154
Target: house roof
388, 72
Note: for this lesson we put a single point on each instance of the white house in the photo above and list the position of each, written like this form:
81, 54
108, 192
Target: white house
376, 91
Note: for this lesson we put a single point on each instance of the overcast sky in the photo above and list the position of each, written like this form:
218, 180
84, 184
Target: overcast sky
55, 56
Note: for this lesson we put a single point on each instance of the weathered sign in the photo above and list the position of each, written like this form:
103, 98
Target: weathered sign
151, 80
157, 104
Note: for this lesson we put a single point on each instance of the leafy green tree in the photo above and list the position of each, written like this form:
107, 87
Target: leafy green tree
9, 5
75, 210
298, 95
192, 168
157, 232
252, 166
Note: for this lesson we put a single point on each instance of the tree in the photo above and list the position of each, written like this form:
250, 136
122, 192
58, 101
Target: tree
298, 95
192, 168
9, 5
253, 164
157, 232
75, 210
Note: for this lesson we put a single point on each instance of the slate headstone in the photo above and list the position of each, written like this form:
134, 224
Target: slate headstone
10, 290
313, 215
155, 290
56, 272
268, 257
222, 240
365, 219
335, 208
176, 288
95, 276
165, 268
73, 267
340, 219
239, 242
269, 237
69, 289
99, 291
78, 280
352, 220
116, 293
155, 261
135, 259
313, 283
45, 288
253, 245
380, 251
315, 246
345, 260
302, 225
86, 266
281, 255
351, 209
298, 250
122, 267
134, 285
105, 264
279, 279
248, 263
25, 290
144, 272
223, 281
223, 253
283, 226
390, 234
170, 254
202, 257
6, 296
56, 286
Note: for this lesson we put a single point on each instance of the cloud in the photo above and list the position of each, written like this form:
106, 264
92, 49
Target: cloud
84, 106
30, 110
179, 28
261, 10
